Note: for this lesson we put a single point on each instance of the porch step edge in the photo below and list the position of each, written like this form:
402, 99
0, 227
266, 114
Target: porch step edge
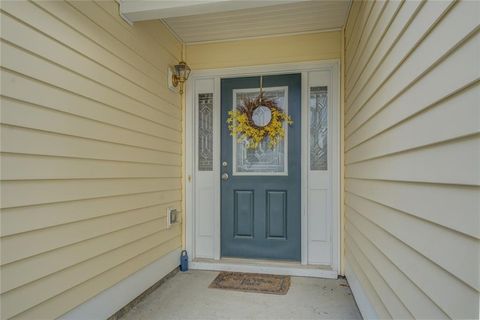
297, 270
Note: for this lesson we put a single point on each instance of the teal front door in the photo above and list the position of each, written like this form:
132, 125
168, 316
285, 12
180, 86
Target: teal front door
260, 188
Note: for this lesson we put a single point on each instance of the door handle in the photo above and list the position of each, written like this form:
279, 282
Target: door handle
225, 176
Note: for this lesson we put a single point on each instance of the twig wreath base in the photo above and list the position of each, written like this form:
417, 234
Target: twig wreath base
242, 126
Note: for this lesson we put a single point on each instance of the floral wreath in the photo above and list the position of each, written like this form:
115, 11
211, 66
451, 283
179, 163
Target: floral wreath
241, 124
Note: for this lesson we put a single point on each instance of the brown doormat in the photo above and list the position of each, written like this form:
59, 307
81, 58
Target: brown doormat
252, 282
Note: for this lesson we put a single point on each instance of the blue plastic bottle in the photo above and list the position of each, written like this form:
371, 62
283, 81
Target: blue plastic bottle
184, 261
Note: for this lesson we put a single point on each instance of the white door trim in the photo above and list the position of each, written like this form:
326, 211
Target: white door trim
262, 266
190, 151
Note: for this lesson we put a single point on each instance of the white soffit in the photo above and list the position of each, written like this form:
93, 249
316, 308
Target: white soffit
272, 20
141, 10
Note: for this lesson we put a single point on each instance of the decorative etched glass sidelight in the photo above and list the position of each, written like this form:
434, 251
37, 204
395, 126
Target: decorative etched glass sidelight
205, 132
318, 128
262, 160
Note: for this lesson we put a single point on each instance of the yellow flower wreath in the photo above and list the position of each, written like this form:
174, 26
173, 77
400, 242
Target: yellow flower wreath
241, 125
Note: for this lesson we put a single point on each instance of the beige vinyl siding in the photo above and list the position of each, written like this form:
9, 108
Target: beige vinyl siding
268, 50
91, 152
412, 155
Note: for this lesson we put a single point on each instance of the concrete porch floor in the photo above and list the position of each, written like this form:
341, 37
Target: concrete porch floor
187, 296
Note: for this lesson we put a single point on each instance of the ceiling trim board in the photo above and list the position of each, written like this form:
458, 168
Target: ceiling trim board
263, 37
214, 25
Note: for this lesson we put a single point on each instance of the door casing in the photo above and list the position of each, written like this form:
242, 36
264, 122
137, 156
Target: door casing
191, 176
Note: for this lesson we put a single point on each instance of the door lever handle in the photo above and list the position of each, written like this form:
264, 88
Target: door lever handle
225, 176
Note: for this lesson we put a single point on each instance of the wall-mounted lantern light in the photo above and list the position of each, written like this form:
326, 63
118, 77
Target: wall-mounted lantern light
179, 75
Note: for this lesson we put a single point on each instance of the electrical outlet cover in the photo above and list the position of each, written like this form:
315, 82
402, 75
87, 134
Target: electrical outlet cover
171, 216
169, 223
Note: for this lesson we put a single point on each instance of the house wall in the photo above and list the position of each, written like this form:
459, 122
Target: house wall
412, 157
262, 51
91, 152
271, 50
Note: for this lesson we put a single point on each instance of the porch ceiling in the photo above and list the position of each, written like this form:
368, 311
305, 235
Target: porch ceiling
298, 17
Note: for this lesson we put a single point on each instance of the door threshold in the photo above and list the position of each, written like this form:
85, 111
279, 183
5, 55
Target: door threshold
278, 267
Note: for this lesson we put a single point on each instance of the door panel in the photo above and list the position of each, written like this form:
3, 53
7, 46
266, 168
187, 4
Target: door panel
260, 200
277, 215
243, 211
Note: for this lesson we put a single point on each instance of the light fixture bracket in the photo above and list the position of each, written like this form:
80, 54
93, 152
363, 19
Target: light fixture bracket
177, 76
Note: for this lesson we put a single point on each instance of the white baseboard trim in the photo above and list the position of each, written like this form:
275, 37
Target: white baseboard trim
273, 268
363, 303
106, 303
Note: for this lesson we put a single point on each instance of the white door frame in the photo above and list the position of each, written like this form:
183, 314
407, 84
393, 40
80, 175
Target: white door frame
305, 68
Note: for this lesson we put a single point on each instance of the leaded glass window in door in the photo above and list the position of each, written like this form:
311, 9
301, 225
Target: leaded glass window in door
205, 132
262, 160
318, 128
